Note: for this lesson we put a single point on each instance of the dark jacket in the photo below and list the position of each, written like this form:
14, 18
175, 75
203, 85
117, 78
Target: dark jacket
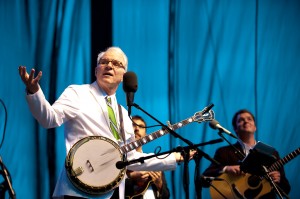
228, 156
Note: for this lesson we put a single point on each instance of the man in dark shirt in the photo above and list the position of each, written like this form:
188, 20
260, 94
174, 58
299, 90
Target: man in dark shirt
230, 158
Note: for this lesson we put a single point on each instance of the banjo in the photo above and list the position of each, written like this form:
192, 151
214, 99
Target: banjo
91, 162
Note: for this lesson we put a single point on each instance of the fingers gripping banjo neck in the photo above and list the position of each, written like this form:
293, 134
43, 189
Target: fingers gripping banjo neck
91, 162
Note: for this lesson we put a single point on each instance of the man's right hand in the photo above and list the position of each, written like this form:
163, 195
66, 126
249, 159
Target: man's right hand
138, 175
31, 83
235, 170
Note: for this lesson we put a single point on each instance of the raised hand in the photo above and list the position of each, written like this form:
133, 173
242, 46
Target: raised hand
31, 82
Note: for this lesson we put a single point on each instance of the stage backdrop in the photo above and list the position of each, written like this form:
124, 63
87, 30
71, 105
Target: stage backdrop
52, 36
234, 54
186, 54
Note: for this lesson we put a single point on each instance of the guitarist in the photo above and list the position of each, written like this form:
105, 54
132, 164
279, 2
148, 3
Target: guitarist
145, 184
230, 156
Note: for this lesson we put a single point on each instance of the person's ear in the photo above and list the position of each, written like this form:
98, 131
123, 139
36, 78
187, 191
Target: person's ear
122, 77
235, 130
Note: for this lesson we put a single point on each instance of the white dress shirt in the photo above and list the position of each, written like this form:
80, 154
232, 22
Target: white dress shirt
83, 111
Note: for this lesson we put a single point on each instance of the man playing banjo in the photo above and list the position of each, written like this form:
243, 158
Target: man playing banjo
84, 111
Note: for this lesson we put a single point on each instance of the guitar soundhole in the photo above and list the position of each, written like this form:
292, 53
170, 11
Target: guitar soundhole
255, 187
253, 181
252, 193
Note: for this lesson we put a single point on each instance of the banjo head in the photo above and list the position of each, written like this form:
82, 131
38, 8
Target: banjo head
90, 165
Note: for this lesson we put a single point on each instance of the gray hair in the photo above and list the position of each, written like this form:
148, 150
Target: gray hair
118, 50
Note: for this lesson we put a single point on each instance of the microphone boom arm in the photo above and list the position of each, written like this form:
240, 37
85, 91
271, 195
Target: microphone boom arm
122, 164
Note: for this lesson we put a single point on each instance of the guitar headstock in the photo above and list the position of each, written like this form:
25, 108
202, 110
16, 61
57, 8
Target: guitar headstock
200, 117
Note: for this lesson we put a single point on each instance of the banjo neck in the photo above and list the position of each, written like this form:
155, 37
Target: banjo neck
197, 117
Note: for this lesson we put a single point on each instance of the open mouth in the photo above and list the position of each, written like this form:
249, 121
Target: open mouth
107, 74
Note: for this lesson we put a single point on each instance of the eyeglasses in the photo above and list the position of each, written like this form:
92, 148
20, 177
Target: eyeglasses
115, 63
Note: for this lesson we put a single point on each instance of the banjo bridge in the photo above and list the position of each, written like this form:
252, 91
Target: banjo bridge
90, 165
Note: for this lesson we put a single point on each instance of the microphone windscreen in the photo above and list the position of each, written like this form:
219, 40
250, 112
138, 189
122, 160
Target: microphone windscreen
130, 82
120, 165
213, 124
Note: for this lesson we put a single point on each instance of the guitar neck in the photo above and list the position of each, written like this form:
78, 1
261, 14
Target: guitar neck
278, 164
157, 134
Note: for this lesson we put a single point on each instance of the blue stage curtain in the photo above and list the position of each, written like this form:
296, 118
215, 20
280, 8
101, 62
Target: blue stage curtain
186, 54
234, 54
54, 37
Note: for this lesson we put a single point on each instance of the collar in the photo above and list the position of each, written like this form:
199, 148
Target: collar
246, 147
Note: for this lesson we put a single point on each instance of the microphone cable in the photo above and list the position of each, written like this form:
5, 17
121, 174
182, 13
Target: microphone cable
5, 121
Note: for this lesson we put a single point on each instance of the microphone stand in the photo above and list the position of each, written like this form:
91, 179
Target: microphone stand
197, 157
220, 133
277, 189
191, 145
164, 126
236, 149
184, 150
271, 181
177, 149
7, 182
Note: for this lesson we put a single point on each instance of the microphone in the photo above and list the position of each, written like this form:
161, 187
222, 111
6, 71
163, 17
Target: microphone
216, 125
7, 180
206, 109
121, 164
206, 180
130, 87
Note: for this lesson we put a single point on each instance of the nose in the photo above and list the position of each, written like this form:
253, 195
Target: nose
109, 63
136, 128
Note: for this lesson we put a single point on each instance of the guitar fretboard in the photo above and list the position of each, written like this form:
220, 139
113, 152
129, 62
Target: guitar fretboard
148, 138
278, 164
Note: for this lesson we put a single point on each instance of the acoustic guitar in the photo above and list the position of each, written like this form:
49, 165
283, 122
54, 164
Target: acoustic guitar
247, 186
139, 190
